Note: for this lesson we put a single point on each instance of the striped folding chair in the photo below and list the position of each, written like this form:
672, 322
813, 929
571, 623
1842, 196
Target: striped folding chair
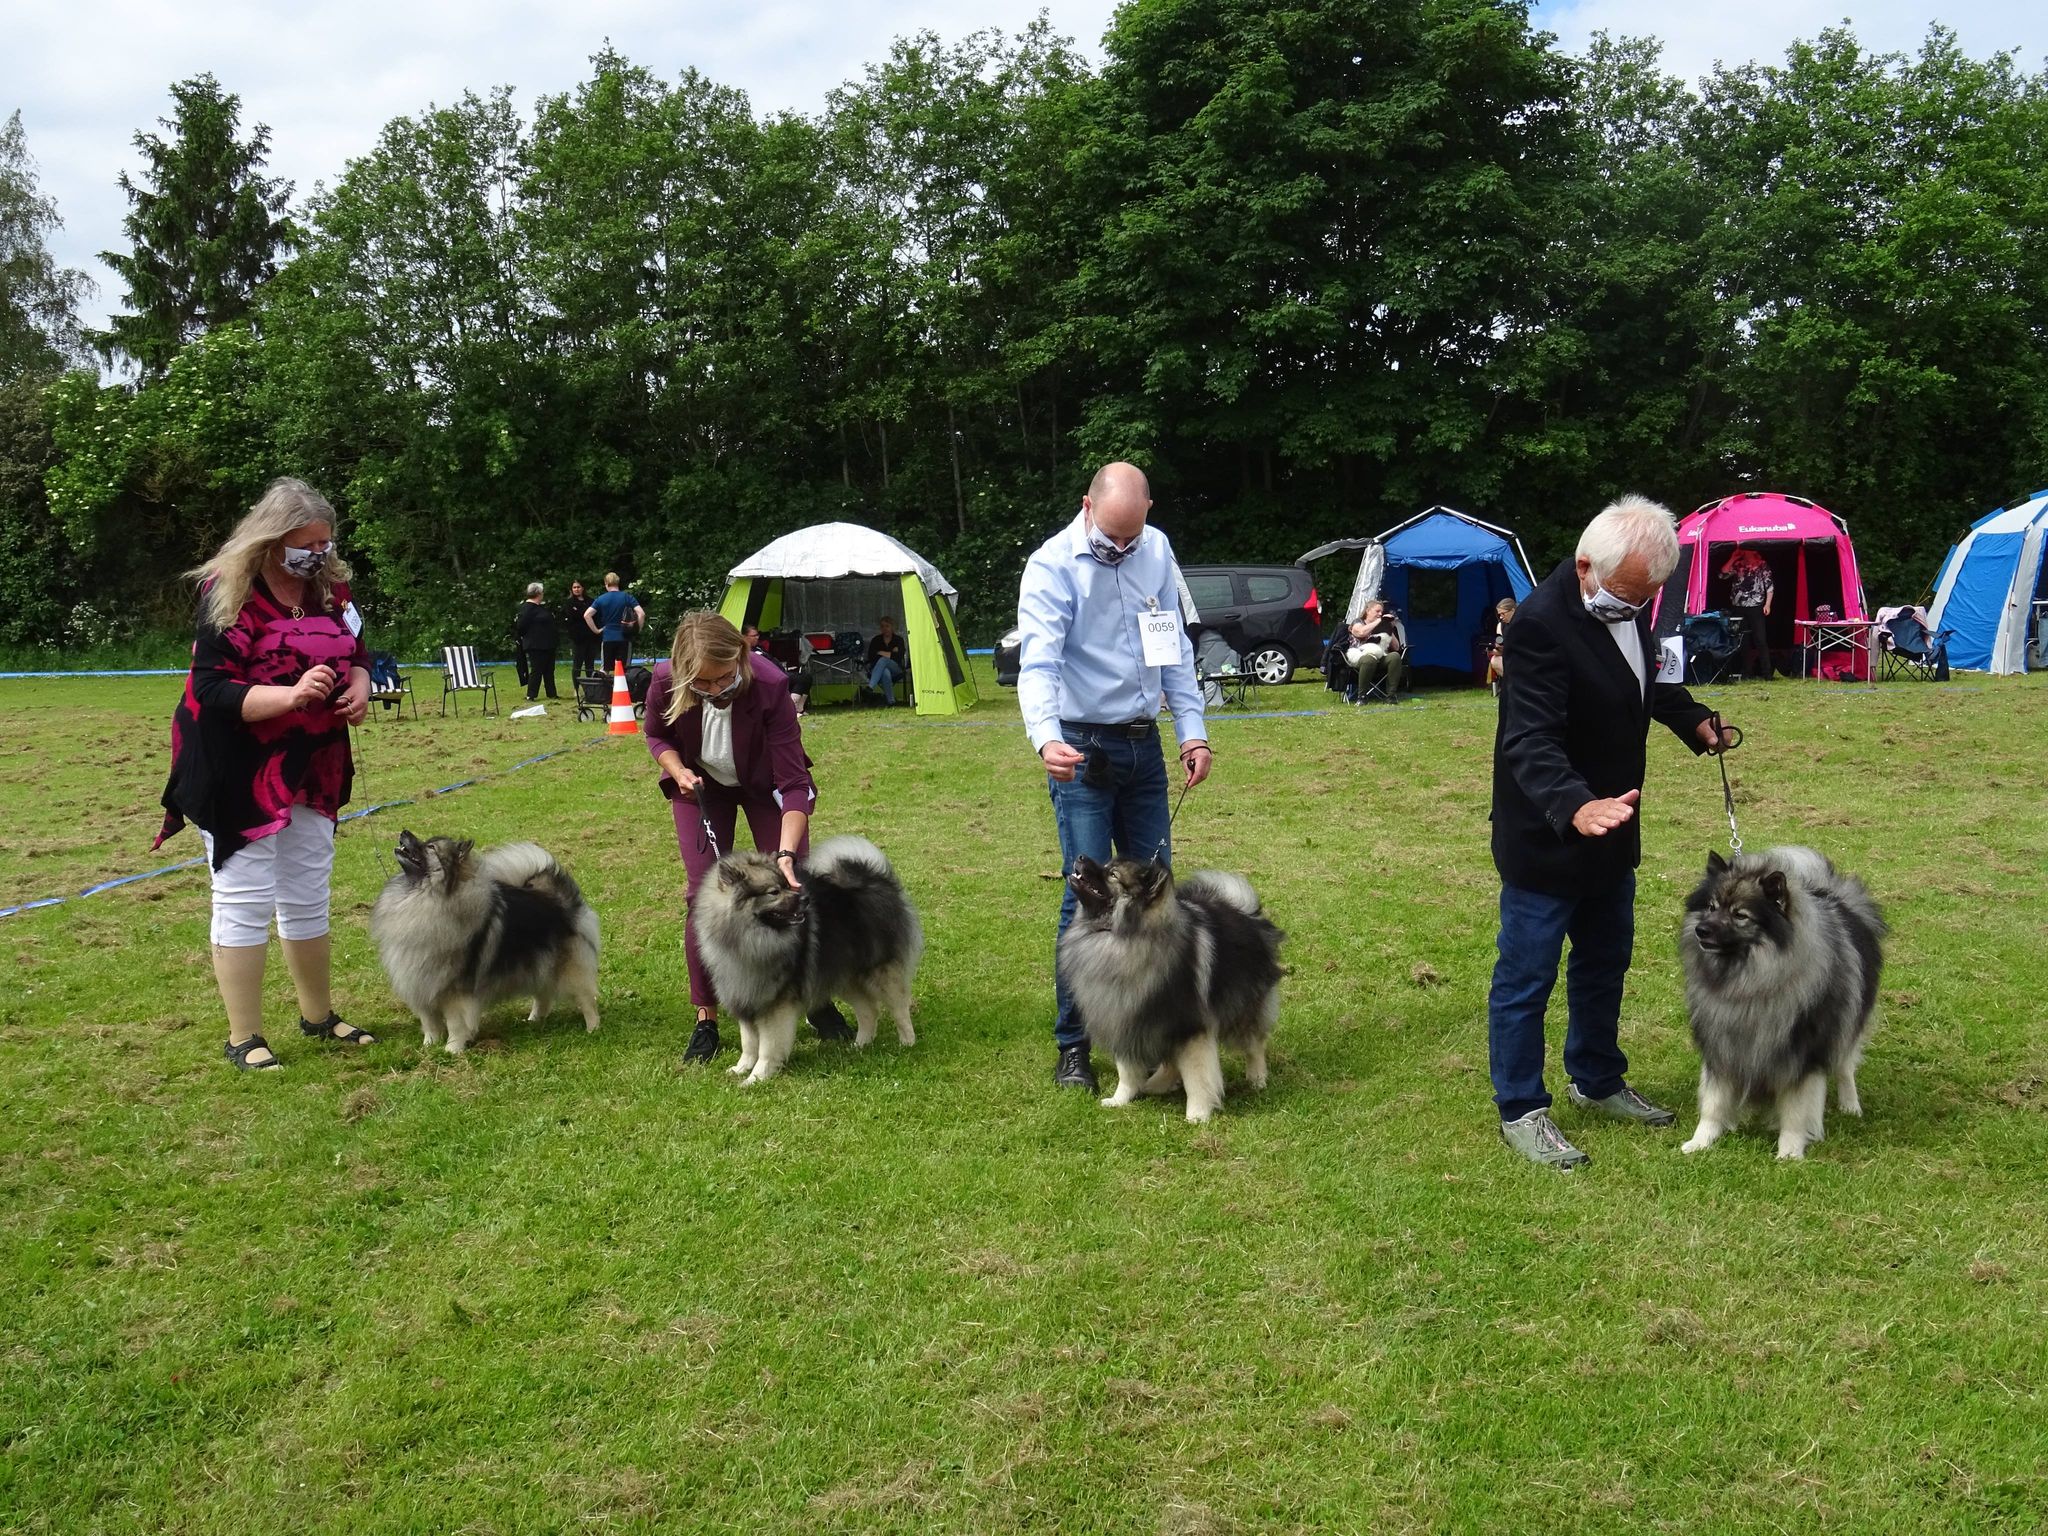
390, 687
462, 675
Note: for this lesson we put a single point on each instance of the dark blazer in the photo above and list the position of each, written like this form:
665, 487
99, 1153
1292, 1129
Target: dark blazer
767, 742
1573, 726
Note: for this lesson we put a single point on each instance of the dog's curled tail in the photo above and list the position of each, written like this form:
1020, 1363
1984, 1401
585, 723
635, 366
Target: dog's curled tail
1234, 889
530, 864
840, 853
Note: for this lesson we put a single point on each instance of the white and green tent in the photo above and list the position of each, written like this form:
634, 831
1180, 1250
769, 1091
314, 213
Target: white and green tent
841, 576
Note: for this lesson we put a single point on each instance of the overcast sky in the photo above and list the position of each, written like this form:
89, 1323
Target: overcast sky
326, 75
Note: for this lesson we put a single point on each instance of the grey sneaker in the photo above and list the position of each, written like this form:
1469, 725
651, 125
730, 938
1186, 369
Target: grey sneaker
1625, 1105
1538, 1139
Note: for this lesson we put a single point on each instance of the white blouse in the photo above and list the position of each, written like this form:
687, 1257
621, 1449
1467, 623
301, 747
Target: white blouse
714, 746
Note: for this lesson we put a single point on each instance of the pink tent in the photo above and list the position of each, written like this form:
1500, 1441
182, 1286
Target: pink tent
1813, 564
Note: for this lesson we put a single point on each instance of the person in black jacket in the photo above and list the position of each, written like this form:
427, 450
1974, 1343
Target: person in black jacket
582, 643
1577, 698
538, 638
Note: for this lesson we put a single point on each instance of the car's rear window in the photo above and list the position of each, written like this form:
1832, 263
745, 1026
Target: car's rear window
1210, 592
1266, 589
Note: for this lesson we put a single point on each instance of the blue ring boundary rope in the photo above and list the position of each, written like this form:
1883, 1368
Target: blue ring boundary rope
368, 810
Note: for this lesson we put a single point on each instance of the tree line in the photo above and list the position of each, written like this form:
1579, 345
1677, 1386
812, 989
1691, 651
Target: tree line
1314, 267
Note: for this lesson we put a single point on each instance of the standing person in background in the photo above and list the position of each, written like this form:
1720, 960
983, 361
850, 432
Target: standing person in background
538, 639
260, 757
887, 660
1750, 590
582, 642
1101, 647
615, 618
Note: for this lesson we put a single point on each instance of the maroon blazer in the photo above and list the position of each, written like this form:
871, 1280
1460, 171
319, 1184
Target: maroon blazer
767, 743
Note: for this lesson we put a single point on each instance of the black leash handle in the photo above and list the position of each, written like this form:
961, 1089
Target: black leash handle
1729, 738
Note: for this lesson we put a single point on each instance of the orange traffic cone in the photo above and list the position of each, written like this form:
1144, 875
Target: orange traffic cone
623, 723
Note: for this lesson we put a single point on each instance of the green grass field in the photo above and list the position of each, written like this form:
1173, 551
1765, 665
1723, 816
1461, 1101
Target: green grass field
565, 1284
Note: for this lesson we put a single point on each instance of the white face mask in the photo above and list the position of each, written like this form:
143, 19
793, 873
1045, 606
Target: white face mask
305, 562
1106, 549
1609, 609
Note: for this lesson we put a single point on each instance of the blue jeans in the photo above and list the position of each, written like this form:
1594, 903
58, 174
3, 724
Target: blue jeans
1533, 927
886, 675
1115, 799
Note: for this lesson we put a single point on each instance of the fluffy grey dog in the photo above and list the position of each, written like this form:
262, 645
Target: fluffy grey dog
459, 930
1164, 975
1781, 954
775, 953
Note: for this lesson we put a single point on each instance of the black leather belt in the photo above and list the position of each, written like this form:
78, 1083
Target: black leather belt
1134, 730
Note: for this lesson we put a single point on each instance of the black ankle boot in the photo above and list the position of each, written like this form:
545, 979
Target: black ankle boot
703, 1041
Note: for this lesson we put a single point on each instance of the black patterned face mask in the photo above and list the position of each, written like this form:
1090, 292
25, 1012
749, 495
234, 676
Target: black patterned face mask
1107, 550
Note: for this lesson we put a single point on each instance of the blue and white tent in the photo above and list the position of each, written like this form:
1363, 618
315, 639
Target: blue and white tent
1993, 592
1442, 571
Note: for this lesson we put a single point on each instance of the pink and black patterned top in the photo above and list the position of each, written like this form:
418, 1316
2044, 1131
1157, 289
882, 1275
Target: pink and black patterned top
239, 779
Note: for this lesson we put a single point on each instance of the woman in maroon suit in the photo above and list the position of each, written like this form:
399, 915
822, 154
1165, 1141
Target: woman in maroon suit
721, 724
260, 757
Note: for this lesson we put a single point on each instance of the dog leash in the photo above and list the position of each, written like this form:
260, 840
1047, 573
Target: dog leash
1730, 738
1173, 816
711, 837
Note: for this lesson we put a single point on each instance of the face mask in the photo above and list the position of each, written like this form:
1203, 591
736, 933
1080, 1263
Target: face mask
304, 562
1609, 609
718, 695
1105, 549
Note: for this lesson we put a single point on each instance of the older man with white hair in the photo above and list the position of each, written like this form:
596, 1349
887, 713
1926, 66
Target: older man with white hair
1578, 693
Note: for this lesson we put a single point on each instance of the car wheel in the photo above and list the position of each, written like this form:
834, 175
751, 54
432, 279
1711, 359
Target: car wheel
1271, 665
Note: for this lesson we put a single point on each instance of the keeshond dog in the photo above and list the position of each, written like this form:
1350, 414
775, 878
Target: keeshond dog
459, 930
1781, 954
1165, 975
775, 953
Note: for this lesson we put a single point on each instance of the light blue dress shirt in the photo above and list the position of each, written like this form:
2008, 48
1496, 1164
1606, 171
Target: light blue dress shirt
1081, 657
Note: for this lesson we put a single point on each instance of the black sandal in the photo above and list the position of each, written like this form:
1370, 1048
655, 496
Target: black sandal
239, 1055
332, 1030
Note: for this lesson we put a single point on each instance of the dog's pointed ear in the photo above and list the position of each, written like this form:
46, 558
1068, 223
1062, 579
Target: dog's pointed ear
1716, 865
728, 875
1779, 890
462, 850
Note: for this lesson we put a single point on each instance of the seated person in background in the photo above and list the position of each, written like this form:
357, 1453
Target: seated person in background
1373, 648
887, 660
1503, 611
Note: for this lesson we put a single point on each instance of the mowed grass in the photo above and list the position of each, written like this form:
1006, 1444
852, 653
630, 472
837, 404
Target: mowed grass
566, 1284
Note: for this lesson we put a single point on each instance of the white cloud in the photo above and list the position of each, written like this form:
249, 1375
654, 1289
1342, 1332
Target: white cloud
1698, 37
326, 76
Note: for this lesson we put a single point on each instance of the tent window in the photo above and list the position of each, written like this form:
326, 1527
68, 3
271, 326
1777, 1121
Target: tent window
1432, 595
945, 633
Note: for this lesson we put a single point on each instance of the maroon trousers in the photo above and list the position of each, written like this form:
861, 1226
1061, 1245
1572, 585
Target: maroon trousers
720, 807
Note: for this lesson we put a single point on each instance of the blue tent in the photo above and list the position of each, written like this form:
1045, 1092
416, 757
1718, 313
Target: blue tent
1993, 590
1442, 571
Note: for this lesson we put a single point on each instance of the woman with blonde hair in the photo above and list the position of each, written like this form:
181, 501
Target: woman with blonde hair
721, 724
260, 755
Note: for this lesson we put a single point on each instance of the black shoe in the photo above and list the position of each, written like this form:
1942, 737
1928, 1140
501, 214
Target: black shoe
703, 1041
1075, 1070
830, 1023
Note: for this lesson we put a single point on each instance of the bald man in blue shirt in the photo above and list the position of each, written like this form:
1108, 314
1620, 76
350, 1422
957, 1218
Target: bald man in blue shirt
1090, 682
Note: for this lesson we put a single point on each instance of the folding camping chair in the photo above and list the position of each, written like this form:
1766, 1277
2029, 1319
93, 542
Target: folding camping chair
835, 663
1710, 644
463, 675
1220, 671
1906, 647
389, 687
